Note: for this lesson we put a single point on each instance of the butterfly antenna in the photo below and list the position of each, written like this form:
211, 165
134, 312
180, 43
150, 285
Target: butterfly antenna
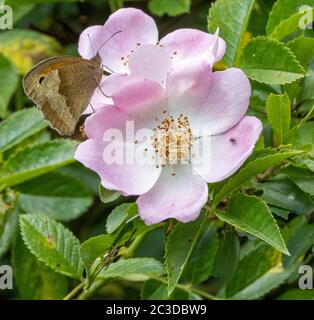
112, 36
91, 44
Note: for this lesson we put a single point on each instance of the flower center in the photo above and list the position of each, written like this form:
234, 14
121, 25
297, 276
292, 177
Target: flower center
172, 140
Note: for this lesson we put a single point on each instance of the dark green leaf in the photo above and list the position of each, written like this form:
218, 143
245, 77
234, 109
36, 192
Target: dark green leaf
56, 195
36, 160
251, 214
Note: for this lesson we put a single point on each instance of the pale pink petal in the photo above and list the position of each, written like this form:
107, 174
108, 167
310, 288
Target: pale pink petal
213, 101
180, 196
90, 40
137, 28
107, 118
108, 86
229, 150
190, 43
132, 177
150, 62
144, 100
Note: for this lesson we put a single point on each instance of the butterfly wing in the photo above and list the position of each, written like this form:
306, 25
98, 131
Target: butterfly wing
62, 88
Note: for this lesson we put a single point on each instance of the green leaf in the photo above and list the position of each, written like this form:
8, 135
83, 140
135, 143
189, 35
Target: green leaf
107, 196
36, 160
279, 116
7, 87
24, 48
227, 257
17, 2
179, 247
134, 269
289, 25
157, 290
250, 170
95, 247
282, 10
201, 263
33, 279
9, 231
297, 294
304, 135
232, 18
119, 215
270, 61
52, 244
300, 242
171, 8
301, 177
56, 195
259, 271
250, 214
20, 126
282, 192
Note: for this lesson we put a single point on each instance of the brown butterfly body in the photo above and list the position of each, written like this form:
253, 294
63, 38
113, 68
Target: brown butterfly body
62, 88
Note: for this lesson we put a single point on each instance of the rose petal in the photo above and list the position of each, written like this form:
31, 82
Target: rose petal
190, 43
228, 150
131, 178
213, 101
144, 100
181, 196
137, 28
150, 62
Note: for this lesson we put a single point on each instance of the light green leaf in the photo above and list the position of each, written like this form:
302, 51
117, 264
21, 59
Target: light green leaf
107, 196
24, 48
33, 279
56, 195
250, 214
259, 271
270, 61
179, 247
250, 170
171, 8
7, 86
20, 126
290, 25
95, 247
279, 116
134, 269
232, 18
52, 244
36, 160
282, 10
119, 215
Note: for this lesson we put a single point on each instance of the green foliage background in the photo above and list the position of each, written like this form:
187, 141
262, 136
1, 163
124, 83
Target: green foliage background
65, 237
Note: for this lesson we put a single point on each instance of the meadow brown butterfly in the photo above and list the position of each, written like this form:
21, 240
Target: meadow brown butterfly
62, 88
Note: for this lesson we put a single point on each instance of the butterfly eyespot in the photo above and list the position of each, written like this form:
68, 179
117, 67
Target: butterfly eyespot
41, 79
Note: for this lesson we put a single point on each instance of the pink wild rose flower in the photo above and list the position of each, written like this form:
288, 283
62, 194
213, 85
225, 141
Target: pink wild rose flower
188, 133
136, 50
